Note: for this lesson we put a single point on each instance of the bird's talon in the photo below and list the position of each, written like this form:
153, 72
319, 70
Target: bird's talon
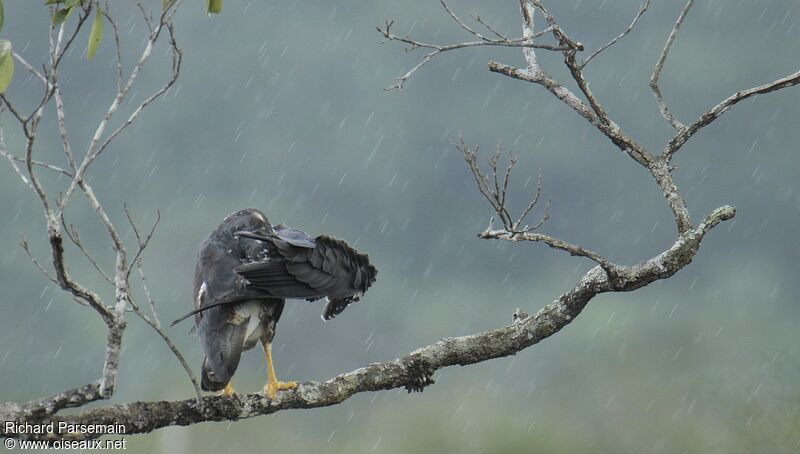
228, 391
271, 390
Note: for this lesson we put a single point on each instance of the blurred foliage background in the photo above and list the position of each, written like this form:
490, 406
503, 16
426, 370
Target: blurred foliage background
281, 106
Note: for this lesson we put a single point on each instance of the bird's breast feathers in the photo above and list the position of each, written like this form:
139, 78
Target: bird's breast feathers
253, 313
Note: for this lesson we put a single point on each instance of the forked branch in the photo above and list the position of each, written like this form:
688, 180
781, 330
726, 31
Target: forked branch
662, 105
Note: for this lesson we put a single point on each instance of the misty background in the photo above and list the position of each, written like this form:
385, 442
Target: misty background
281, 106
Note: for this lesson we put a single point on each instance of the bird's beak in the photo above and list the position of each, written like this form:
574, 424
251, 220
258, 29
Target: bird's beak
258, 235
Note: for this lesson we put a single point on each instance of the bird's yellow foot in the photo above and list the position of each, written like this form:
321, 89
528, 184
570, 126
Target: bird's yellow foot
228, 391
272, 387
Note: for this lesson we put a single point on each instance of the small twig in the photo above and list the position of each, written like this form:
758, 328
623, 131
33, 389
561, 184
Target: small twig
479, 20
532, 205
62, 124
177, 57
496, 191
12, 159
23, 120
662, 105
147, 294
73, 236
436, 49
97, 145
142, 241
117, 45
461, 23
31, 69
45, 165
641, 12
24, 244
59, 54
156, 325
146, 15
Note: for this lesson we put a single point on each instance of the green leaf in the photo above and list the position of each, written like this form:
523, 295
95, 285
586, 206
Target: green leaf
61, 15
6, 64
213, 6
53, 2
95, 34
2, 15
166, 4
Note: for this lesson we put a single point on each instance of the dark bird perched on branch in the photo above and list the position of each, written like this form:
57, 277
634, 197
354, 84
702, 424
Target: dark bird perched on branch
246, 268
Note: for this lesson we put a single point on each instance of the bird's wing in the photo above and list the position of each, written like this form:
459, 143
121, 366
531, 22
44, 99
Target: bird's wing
215, 282
215, 279
331, 268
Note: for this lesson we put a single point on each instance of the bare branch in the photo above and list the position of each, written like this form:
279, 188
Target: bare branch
570, 50
142, 241
156, 325
30, 137
175, 72
31, 69
479, 20
413, 372
662, 106
96, 147
73, 236
65, 282
45, 165
24, 244
524, 42
610, 130
641, 12
496, 194
532, 205
62, 124
715, 112
20, 118
117, 46
60, 44
461, 23
495, 191
555, 243
51, 405
12, 159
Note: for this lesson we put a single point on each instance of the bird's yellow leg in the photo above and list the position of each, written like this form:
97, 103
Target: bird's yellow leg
273, 385
228, 391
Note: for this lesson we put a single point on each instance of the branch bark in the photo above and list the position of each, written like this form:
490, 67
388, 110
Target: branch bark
414, 371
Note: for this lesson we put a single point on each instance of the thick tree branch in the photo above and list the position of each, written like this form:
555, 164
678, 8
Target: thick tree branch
610, 130
413, 371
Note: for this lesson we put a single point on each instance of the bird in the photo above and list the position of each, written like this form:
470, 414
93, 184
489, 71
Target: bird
246, 269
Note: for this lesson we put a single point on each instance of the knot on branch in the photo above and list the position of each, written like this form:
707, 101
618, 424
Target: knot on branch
518, 316
419, 374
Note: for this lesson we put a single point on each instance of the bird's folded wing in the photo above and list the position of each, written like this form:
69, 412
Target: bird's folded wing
331, 268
